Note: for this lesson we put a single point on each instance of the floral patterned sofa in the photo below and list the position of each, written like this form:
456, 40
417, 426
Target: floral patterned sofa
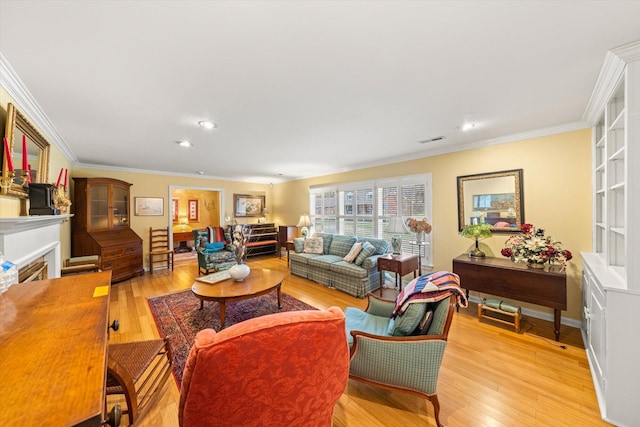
210, 258
357, 278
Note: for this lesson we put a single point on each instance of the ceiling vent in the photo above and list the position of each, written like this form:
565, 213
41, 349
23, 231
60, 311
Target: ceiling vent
437, 138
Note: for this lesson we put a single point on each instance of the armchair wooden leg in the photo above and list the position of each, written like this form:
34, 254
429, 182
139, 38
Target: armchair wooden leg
436, 409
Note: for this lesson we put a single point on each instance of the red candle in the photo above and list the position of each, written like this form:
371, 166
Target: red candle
7, 154
66, 176
59, 178
25, 164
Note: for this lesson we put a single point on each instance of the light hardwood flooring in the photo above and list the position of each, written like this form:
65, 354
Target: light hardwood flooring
490, 375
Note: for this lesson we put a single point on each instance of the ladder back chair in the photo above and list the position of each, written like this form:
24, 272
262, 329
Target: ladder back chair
159, 250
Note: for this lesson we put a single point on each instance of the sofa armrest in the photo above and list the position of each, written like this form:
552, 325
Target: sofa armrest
371, 262
378, 306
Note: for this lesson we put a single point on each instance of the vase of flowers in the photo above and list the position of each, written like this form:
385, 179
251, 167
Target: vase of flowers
418, 226
60, 200
477, 232
239, 241
536, 249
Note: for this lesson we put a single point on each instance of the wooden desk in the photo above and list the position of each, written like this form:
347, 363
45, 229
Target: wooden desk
183, 237
502, 277
53, 351
400, 264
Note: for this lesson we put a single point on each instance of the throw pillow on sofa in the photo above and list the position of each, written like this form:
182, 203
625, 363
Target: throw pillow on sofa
367, 250
313, 245
353, 252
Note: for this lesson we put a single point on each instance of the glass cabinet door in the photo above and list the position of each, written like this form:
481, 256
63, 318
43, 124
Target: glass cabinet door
120, 207
99, 207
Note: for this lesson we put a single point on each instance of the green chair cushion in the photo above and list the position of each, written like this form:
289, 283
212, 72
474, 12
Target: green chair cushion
359, 320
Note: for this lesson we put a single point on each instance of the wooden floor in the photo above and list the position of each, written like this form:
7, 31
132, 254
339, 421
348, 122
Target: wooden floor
490, 375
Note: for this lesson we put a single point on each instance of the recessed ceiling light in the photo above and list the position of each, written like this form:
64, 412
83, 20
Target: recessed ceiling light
467, 126
184, 143
207, 124
199, 172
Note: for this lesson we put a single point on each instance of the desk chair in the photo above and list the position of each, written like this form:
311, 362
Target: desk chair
138, 370
81, 264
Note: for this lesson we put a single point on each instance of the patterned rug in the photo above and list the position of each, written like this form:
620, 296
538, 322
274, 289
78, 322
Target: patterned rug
179, 317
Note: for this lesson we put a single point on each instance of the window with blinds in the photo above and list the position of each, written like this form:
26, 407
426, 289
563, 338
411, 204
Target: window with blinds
364, 209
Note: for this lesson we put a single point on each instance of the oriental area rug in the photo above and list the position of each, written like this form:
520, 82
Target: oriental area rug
178, 317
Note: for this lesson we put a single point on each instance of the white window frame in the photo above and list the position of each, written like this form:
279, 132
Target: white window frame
377, 219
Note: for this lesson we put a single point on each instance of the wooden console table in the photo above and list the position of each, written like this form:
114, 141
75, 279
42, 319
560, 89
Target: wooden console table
504, 278
183, 237
53, 351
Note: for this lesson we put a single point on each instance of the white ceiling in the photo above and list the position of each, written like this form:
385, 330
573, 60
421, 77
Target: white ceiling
304, 88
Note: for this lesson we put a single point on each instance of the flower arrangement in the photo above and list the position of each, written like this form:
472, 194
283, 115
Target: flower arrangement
533, 247
418, 226
60, 199
239, 241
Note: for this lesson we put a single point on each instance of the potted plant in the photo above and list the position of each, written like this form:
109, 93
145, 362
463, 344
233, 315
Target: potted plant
477, 232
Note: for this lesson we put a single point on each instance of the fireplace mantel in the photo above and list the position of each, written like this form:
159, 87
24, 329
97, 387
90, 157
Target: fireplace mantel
24, 239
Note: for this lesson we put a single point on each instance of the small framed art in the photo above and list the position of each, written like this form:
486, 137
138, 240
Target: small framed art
149, 206
193, 210
174, 210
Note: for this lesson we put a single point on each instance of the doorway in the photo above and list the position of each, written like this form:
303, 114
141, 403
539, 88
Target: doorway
193, 208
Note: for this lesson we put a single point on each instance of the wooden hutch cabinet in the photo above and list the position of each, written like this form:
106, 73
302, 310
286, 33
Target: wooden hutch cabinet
100, 226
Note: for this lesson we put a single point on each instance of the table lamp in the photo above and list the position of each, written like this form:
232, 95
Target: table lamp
396, 227
183, 222
304, 222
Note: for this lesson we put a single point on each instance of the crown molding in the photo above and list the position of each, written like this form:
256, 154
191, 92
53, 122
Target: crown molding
629, 52
27, 104
453, 148
610, 74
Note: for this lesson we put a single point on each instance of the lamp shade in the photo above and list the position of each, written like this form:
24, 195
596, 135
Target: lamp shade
304, 221
396, 226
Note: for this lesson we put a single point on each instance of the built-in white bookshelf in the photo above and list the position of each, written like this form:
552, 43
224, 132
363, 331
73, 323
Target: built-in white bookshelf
611, 279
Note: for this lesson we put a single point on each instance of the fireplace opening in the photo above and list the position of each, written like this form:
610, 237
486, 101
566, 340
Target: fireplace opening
35, 270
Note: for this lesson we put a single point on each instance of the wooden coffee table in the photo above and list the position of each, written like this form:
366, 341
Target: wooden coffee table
259, 282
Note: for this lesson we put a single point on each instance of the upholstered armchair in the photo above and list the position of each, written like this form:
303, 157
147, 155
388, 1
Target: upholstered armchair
283, 369
215, 253
401, 354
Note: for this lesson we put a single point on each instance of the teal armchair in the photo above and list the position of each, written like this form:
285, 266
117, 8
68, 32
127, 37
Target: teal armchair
404, 353
210, 259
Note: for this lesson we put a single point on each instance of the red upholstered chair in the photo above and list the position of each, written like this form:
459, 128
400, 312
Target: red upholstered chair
284, 369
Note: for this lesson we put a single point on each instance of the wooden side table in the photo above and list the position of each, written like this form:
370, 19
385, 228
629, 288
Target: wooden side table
290, 247
400, 264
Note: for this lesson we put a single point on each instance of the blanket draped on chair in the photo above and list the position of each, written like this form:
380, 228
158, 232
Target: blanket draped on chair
432, 287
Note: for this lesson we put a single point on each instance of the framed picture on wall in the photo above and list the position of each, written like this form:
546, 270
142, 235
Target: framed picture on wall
174, 210
248, 205
149, 206
193, 210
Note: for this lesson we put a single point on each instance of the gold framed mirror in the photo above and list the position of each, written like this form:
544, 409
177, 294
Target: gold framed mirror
16, 126
495, 198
